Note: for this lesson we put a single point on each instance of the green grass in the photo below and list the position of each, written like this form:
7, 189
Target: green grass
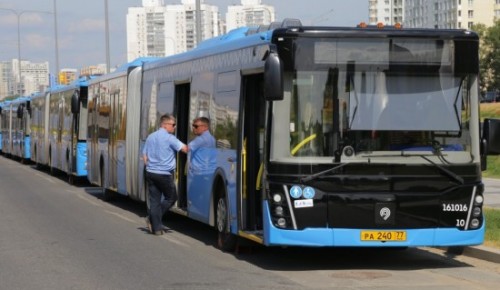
492, 236
491, 110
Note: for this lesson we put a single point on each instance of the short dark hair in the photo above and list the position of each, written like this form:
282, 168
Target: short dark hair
204, 120
166, 117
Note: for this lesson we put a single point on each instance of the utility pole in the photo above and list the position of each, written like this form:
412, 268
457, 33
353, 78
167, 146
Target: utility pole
108, 63
56, 39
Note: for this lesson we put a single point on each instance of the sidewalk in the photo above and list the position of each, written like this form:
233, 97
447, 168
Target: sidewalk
484, 253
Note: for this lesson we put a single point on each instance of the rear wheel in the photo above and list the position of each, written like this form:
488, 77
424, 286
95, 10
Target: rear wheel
52, 171
226, 241
107, 195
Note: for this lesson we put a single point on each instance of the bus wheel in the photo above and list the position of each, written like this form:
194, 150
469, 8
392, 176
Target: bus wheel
455, 250
107, 195
51, 169
225, 240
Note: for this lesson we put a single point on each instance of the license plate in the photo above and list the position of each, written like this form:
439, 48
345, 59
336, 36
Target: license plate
383, 236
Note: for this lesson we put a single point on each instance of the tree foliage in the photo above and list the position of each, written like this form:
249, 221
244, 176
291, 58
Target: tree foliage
489, 56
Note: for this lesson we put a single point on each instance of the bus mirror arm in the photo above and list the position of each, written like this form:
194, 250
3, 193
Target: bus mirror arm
75, 103
484, 149
273, 77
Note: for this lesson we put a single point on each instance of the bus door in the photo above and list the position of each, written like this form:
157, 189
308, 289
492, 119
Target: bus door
181, 111
252, 151
93, 158
75, 116
60, 130
113, 136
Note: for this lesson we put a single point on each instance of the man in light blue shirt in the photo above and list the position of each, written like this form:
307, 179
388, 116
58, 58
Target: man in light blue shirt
159, 157
201, 148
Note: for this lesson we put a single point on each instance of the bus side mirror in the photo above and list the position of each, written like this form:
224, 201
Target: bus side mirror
273, 77
75, 103
20, 111
490, 142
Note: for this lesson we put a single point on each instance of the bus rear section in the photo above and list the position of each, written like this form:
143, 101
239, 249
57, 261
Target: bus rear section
375, 141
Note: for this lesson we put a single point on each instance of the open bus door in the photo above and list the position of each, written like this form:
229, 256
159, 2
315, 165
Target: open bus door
252, 152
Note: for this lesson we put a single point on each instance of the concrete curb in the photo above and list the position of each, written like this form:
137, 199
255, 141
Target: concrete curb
484, 253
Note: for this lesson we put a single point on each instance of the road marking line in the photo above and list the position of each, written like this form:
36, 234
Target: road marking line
89, 200
121, 216
175, 241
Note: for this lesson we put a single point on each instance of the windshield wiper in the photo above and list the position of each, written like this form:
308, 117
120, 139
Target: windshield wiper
445, 171
316, 175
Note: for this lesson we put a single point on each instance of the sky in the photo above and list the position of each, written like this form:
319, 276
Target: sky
81, 26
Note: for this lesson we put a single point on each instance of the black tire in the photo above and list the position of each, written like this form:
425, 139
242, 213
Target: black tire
226, 241
107, 195
71, 179
455, 250
52, 170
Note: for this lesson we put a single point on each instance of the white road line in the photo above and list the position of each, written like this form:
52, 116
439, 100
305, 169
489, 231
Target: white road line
44, 176
89, 200
168, 236
121, 216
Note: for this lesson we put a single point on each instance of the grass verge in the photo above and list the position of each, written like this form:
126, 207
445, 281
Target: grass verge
492, 235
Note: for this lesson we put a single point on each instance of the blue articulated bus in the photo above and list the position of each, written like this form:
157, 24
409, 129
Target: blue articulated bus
16, 118
114, 105
1, 120
59, 129
21, 140
326, 136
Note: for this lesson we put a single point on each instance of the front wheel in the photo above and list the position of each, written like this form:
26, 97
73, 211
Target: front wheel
226, 241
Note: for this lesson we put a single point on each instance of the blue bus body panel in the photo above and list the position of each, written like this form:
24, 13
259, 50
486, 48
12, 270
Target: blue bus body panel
328, 237
81, 159
27, 147
232, 41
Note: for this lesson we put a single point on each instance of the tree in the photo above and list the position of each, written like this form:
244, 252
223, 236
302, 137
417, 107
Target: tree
484, 71
492, 39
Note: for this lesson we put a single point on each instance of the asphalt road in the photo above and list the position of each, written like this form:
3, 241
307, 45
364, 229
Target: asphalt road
492, 192
57, 236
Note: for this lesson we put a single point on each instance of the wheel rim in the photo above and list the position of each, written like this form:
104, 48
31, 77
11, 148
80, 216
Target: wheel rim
221, 215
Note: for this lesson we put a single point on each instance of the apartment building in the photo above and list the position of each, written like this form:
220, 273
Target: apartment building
249, 13
158, 30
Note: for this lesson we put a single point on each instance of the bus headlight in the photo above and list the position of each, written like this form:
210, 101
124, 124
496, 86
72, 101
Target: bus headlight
476, 211
277, 198
474, 223
281, 223
278, 211
479, 199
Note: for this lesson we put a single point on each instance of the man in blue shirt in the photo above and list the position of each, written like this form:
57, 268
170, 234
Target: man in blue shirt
159, 157
201, 153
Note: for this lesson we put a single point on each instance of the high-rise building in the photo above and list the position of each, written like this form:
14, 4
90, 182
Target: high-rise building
388, 12
67, 76
157, 30
249, 13
93, 70
450, 13
34, 77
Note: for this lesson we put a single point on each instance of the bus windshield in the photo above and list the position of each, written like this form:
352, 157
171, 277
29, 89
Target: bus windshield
372, 95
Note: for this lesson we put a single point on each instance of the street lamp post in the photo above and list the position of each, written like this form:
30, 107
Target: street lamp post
106, 22
56, 38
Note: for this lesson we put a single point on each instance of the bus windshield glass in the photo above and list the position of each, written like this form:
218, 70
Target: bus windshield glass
373, 95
